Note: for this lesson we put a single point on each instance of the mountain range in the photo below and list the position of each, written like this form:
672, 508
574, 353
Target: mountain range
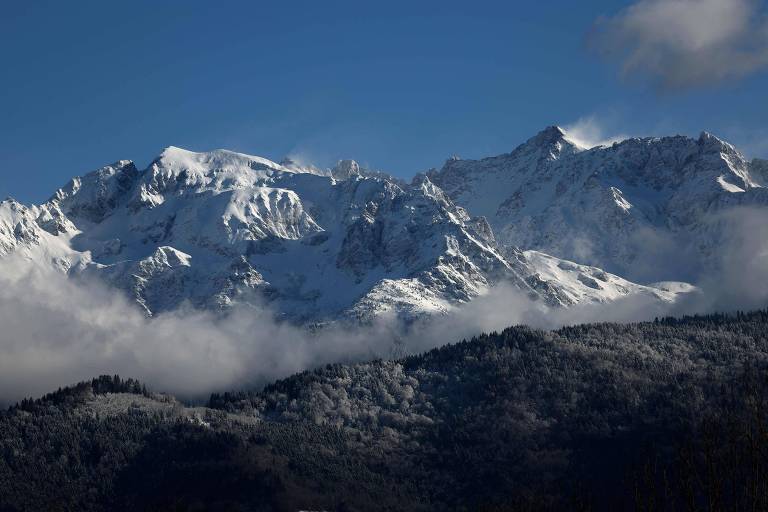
561, 223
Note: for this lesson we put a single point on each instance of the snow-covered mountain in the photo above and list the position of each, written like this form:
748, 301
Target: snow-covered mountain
647, 209
211, 229
584, 284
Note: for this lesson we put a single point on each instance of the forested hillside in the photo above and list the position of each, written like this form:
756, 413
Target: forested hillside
665, 415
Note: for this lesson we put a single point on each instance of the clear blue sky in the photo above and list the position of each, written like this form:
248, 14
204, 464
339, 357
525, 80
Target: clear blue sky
397, 86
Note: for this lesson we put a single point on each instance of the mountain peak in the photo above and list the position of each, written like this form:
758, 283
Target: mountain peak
345, 169
552, 142
176, 158
549, 136
710, 141
552, 132
95, 194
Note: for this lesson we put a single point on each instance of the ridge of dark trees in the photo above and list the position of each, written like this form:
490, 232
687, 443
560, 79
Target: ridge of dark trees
664, 415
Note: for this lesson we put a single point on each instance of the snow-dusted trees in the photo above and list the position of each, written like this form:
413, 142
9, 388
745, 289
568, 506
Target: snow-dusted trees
597, 414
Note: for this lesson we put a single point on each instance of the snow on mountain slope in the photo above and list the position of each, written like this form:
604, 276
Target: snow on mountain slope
38, 233
210, 229
647, 209
584, 284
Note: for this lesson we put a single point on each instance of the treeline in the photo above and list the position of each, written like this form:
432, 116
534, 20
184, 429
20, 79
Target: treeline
82, 390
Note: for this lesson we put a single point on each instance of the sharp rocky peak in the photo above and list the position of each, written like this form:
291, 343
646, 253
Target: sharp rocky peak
552, 142
93, 195
709, 141
549, 135
346, 169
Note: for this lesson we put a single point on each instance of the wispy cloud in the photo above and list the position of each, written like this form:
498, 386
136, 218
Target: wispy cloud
680, 44
589, 132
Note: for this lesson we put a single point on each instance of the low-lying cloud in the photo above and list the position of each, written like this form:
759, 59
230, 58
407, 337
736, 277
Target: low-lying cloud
680, 44
740, 280
56, 331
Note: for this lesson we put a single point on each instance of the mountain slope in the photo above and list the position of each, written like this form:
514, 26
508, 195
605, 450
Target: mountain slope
217, 228
214, 228
647, 209
582, 284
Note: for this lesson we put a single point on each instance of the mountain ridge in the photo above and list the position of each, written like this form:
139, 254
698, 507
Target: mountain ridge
600, 206
159, 233
214, 228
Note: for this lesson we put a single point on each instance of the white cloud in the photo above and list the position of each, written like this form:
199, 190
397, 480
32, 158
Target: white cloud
588, 132
57, 331
685, 43
739, 281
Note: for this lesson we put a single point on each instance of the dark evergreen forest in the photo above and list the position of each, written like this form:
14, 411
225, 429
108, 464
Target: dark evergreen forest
654, 416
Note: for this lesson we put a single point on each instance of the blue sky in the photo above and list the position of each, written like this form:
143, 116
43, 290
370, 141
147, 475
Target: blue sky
397, 86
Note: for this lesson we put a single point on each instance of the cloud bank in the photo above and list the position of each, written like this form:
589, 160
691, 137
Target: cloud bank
60, 332
56, 331
681, 44
741, 278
